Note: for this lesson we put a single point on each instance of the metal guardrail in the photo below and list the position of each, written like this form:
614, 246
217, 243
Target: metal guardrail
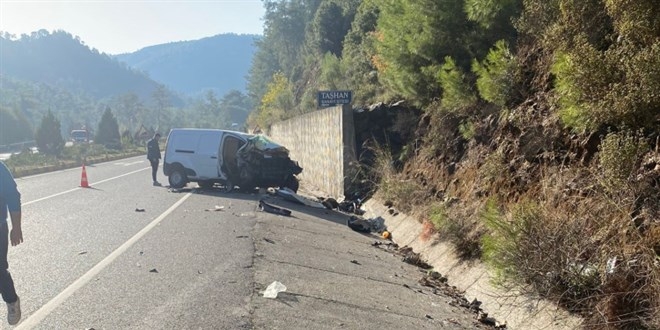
17, 147
9, 149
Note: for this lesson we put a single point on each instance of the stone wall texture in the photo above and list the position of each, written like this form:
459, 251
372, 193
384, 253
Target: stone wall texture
323, 143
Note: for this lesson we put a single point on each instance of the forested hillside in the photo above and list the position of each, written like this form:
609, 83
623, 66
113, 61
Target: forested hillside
536, 144
57, 72
62, 61
219, 63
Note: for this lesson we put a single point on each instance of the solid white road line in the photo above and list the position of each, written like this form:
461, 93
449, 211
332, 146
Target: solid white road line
74, 189
129, 164
38, 316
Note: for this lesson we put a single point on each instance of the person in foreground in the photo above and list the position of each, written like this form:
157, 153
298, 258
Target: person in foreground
153, 154
10, 200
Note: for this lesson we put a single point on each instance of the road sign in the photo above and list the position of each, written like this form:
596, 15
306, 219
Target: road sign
330, 98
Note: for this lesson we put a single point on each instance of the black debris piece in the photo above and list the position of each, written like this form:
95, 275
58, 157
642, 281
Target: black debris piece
263, 206
414, 258
330, 203
139, 210
358, 224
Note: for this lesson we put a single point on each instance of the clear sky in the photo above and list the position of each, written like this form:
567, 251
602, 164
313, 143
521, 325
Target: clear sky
121, 26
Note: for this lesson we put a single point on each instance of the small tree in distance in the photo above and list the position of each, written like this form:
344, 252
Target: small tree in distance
108, 131
49, 136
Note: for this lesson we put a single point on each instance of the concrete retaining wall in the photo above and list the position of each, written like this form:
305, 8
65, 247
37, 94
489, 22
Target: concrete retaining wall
323, 142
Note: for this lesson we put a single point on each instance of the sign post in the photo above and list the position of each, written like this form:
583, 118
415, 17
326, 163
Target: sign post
330, 98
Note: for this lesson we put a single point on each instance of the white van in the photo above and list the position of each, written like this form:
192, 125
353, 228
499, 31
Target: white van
229, 158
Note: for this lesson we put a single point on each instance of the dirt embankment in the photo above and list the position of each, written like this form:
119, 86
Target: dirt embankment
573, 218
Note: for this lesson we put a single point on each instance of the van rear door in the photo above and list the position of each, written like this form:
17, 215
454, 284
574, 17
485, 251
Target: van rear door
206, 155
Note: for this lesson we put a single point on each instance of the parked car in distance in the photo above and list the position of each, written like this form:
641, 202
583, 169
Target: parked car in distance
228, 158
80, 136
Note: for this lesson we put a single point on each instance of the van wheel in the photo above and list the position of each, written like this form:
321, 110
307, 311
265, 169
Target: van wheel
229, 186
246, 178
292, 183
177, 179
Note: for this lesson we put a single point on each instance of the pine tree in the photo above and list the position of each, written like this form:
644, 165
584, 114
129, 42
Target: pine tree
49, 136
108, 132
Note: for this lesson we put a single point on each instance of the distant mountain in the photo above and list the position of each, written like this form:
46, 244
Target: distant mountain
219, 63
63, 61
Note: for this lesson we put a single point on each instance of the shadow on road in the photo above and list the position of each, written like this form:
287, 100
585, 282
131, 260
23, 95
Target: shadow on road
322, 213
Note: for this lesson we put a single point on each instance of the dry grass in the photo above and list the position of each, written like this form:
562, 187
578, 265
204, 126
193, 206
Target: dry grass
559, 232
564, 247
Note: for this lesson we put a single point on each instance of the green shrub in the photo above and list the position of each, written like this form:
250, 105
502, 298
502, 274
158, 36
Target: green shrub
498, 246
438, 217
619, 153
458, 228
615, 87
467, 129
496, 74
456, 92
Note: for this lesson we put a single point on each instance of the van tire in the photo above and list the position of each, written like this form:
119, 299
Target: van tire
247, 181
228, 186
292, 183
177, 178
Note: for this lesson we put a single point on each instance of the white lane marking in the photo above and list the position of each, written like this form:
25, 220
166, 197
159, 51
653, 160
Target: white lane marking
70, 169
129, 164
38, 316
74, 189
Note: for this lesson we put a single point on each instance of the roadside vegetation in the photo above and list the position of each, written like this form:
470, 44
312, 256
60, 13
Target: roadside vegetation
536, 149
51, 151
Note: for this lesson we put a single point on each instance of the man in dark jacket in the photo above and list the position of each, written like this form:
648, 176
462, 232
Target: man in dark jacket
10, 202
153, 155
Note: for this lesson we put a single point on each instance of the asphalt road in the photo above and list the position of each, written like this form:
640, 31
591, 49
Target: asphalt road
126, 255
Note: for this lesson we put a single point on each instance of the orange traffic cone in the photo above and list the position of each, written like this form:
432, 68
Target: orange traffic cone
83, 179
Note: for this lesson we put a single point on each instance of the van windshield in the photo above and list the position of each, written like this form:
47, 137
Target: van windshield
79, 135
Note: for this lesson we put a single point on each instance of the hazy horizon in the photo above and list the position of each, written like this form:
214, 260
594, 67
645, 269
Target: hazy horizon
119, 27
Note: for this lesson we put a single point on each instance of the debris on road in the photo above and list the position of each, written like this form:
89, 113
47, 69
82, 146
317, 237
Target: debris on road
263, 206
292, 196
355, 262
439, 285
153, 270
388, 245
329, 203
269, 240
359, 224
362, 225
273, 289
216, 208
352, 206
82, 252
413, 258
139, 210
433, 279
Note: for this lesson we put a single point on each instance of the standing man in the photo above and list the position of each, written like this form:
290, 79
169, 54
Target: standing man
10, 200
153, 155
